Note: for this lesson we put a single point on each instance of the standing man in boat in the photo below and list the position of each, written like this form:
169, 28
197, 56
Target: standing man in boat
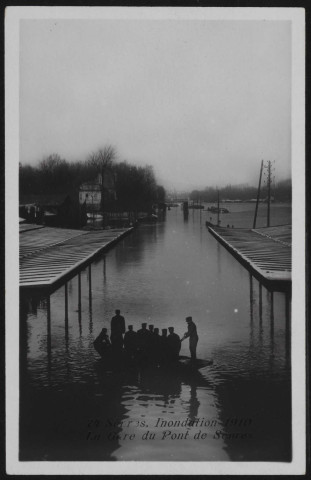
142, 340
174, 344
193, 337
117, 331
157, 346
164, 353
150, 345
130, 342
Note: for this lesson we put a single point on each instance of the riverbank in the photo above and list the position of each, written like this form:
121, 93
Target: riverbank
241, 215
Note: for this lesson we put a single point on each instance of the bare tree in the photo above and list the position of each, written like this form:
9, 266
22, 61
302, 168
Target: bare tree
103, 159
103, 162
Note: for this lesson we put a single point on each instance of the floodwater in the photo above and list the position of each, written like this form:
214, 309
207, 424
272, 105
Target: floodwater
238, 408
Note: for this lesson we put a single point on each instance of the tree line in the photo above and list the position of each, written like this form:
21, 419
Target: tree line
135, 186
280, 192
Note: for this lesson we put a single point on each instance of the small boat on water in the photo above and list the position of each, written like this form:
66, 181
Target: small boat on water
184, 361
170, 205
218, 210
124, 362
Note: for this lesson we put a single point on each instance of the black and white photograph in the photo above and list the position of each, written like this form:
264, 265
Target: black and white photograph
155, 229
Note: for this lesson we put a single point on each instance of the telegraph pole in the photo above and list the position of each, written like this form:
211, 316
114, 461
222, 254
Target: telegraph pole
258, 195
102, 195
218, 208
269, 192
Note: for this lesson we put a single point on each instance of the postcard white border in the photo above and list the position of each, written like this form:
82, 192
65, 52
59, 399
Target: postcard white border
12, 18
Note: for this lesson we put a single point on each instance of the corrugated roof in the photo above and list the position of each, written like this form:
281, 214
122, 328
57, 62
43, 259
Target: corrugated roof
48, 255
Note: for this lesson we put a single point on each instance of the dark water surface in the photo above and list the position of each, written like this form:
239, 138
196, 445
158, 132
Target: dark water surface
239, 408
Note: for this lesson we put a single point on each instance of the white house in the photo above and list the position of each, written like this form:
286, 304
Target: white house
91, 192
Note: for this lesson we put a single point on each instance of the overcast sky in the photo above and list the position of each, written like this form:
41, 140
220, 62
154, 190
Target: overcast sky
202, 101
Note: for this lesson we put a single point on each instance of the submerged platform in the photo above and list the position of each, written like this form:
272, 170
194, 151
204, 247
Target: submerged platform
49, 256
265, 252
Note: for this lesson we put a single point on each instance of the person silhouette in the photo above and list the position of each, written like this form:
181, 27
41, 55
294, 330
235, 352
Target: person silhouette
117, 331
157, 346
102, 343
142, 337
130, 341
173, 344
193, 337
151, 344
164, 354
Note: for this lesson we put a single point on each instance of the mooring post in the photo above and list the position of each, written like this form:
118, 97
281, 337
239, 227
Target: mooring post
251, 297
90, 280
79, 303
79, 291
66, 317
271, 314
272, 329
251, 304
80, 323
104, 266
260, 330
66, 302
90, 300
260, 303
49, 337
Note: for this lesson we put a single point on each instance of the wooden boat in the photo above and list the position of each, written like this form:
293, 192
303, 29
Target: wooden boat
122, 361
218, 210
196, 364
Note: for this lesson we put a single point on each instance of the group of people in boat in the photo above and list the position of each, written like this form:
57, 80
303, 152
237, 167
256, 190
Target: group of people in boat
146, 344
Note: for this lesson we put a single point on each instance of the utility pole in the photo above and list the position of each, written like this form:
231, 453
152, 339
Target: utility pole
92, 209
218, 208
258, 195
102, 195
269, 192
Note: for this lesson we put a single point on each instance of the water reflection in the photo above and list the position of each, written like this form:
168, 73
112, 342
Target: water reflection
245, 428
251, 298
158, 383
161, 274
104, 268
251, 309
90, 300
135, 247
193, 402
260, 303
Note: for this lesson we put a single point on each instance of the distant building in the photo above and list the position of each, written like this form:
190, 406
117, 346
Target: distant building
90, 193
98, 195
